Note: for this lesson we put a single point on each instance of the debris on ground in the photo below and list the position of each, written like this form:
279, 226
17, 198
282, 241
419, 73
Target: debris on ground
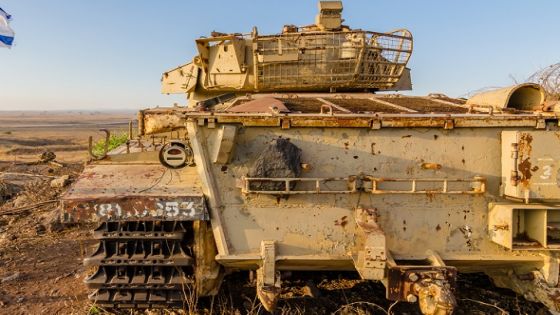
60, 182
8, 191
47, 156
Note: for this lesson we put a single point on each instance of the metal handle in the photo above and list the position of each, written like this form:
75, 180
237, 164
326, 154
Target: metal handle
105, 149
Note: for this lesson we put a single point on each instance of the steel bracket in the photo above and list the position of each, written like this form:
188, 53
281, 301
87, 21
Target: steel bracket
371, 260
268, 279
105, 146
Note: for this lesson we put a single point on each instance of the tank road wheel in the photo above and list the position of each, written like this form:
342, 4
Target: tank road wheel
146, 264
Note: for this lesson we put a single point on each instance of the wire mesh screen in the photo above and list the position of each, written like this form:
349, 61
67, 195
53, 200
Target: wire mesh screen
356, 59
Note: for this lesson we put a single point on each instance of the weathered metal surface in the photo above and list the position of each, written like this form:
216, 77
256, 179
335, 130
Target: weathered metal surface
268, 278
134, 192
208, 272
160, 121
370, 255
135, 208
260, 105
346, 110
531, 164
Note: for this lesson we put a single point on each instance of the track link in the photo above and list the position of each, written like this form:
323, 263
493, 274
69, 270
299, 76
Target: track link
142, 264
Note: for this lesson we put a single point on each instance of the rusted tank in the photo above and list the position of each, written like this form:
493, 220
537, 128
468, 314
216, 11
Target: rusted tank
286, 158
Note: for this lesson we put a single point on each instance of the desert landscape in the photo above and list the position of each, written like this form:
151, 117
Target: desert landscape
41, 269
26, 134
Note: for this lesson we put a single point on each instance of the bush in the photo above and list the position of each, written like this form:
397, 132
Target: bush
114, 141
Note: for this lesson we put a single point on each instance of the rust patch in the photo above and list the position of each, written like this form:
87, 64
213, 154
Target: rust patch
525, 144
333, 122
525, 167
430, 196
261, 105
430, 166
526, 171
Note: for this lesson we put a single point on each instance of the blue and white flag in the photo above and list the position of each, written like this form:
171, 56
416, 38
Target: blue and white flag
6, 33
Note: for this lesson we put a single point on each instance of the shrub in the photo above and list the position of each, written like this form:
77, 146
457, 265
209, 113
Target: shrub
115, 140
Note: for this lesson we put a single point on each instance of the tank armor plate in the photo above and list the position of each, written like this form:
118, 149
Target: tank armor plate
135, 192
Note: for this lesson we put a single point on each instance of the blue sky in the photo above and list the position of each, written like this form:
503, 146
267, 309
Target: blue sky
108, 54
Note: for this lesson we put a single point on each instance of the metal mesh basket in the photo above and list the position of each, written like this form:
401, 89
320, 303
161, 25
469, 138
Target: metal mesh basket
356, 59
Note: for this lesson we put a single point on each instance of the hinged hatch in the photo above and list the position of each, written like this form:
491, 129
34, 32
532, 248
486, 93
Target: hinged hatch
530, 164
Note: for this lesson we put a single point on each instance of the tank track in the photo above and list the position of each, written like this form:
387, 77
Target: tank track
142, 264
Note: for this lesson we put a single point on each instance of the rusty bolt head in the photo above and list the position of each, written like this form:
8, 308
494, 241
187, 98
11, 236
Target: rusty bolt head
413, 277
411, 298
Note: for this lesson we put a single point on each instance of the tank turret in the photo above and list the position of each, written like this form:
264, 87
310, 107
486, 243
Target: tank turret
326, 56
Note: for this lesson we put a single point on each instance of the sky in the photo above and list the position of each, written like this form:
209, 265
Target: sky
107, 54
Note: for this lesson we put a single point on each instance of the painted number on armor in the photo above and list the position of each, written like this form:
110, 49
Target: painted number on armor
174, 208
171, 209
547, 172
109, 209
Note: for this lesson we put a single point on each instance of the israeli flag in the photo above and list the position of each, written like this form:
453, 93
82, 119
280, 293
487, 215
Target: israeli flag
6, 33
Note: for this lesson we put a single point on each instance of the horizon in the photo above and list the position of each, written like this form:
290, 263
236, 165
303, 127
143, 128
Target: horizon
70, 110
110, 56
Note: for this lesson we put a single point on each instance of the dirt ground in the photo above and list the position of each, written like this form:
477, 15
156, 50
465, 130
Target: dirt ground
40, 260
25, 134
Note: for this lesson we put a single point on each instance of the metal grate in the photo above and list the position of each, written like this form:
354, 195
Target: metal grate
356, 59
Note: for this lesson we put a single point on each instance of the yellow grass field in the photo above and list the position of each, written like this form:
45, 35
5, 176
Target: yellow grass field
26, 134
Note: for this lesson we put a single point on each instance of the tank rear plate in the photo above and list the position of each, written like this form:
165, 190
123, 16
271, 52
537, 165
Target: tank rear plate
139, 192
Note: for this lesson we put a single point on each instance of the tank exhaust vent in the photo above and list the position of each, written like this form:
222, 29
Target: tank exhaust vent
527, 96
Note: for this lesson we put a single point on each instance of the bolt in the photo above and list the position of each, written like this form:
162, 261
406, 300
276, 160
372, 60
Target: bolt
413, 277
411, 298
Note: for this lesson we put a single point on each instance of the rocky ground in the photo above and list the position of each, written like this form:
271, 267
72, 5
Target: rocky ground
41, 270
